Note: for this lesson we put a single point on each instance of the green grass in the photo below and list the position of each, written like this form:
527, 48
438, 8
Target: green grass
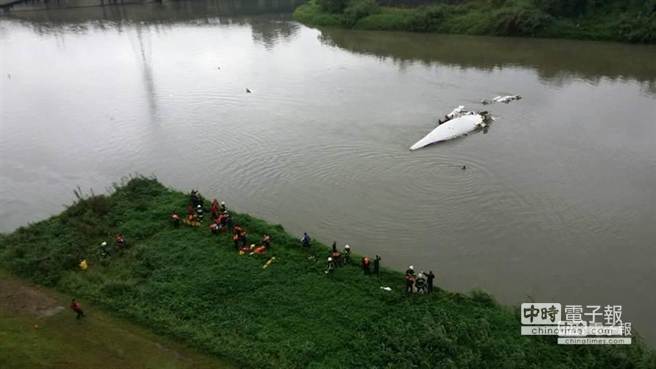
188, 284
497, 18
28, 341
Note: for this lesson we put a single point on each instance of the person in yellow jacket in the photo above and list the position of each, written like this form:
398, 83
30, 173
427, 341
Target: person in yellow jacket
83, 264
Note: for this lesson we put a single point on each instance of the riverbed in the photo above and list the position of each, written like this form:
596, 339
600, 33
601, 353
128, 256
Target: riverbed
557, 202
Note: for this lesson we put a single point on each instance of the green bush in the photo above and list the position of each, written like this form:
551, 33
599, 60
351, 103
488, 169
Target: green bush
519, 21
332, 6
638, 28
427, 19
357, 9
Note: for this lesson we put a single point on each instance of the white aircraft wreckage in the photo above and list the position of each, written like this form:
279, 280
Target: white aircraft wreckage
502, 99
458, 123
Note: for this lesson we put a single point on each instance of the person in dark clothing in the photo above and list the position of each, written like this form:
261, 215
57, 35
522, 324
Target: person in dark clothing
365, 265
334, 246
236, 232
77, 308
195, 198
120, 241
431, 278
235, 239
223, 208
305, 240
228, 219
377, 265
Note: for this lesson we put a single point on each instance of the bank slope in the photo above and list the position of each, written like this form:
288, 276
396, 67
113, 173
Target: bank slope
193, 286
616, 20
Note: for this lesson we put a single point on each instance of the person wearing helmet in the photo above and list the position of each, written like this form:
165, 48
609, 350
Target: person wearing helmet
104, 250
199, 212
331, 265
420, 283
409, 279
347, 254
222, 208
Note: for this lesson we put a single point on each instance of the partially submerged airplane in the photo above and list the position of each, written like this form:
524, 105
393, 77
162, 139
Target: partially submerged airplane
461, 123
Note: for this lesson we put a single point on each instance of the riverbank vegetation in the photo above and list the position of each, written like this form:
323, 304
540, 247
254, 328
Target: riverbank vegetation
620, 20
186, 283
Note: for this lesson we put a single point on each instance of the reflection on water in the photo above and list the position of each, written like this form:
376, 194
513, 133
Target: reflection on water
555, 61
557, 201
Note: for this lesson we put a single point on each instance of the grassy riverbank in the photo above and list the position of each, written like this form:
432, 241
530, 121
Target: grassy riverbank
193, 286
628, 21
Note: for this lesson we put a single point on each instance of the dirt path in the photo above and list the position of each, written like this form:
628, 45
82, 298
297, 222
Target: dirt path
38, 331
16, 297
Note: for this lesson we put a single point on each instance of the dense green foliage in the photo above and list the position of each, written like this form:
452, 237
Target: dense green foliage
632, 21
192, 285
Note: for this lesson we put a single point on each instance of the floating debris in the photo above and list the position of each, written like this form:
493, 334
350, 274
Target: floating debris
501, 99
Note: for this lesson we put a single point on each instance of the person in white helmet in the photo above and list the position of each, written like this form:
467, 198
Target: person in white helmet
347, 254
331, 265
410, 279
105, 250
223, 206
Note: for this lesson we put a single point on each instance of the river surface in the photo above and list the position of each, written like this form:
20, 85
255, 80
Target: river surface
557, 204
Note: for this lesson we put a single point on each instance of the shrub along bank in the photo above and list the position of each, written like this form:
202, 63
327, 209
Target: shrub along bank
619, 20
189, 284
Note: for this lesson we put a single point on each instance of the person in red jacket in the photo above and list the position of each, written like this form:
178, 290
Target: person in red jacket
365, 265
175, 219
214, 209
77, 308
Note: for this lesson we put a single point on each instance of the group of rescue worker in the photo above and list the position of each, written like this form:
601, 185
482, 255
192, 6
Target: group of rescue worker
222, 222
421, 283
